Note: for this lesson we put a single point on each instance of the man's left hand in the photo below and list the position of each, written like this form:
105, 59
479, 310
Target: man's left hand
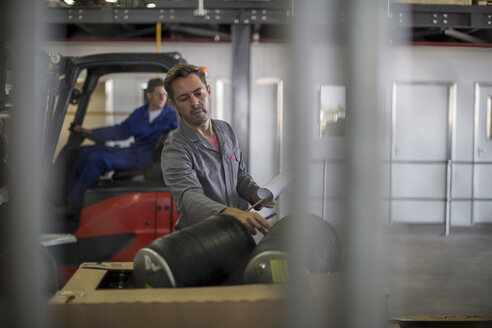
266, 196
251, 220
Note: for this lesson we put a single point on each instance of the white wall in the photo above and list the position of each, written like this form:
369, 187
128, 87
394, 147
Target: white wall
462, 67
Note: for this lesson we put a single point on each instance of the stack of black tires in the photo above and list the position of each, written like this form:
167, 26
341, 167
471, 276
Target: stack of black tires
220, 251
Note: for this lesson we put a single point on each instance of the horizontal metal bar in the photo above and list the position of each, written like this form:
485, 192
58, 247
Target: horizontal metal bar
417, 162
481, 163
173, 4
117, 15
471, 200
449, 16
429, 199
184, 4
419, 199
342, 161
332, 161
329, 198
440, 162
401, 7
101, 113
265, 12
462, 162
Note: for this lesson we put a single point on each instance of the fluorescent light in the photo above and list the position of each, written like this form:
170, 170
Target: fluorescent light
69, 2
111, 1
150, 5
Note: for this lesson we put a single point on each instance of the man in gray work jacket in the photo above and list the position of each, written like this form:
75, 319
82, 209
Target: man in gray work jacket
201, 161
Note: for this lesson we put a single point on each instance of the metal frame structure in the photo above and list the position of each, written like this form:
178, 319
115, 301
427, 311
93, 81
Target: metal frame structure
241, 91
440, 16
216, 12
262, 12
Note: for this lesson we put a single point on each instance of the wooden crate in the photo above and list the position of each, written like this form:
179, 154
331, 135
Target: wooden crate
484, 2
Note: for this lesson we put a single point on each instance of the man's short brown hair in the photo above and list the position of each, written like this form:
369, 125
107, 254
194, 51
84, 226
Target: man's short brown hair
154, 83
178, 71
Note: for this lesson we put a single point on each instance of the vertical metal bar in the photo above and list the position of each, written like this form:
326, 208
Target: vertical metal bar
3, 54
280, 124
200, 10
447, 221
392, 138
449, 155
365, 31
323, 193
474, 150
241, 47
488, 119
28, 161
300, 106
279, 134
158, 40
158, 37
447, 218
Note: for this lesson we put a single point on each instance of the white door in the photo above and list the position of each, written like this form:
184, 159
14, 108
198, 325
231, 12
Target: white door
420, 151
482, 169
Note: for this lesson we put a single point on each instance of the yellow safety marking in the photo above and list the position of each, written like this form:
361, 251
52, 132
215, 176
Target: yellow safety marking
280, 271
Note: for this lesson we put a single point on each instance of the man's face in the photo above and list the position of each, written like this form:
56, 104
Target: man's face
156, 98
191, 99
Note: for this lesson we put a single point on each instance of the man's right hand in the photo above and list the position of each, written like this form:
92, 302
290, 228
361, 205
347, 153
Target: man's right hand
251, 220
80, 129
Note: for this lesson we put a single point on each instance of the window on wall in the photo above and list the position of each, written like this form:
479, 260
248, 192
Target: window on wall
331, 111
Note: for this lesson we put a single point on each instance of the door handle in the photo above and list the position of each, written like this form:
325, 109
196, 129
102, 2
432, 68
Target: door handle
397, 150
480, 150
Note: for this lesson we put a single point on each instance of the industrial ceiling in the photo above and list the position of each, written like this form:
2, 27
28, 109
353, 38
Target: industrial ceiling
202, 20
180, 19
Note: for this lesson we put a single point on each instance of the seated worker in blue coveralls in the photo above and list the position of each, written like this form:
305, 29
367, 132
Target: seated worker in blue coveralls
145, 124
202, 162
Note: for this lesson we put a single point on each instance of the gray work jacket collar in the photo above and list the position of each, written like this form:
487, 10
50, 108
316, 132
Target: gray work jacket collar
194, 137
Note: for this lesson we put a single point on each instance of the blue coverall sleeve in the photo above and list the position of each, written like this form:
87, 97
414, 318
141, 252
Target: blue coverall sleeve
120, 131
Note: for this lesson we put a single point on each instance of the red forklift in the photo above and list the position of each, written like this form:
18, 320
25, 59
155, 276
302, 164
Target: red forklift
125, 212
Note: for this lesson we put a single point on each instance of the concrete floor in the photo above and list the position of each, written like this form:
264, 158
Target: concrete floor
431, 274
